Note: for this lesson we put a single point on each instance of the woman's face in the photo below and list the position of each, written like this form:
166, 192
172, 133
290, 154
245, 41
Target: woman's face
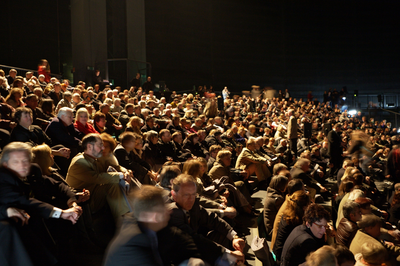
83, 118
130, 145
154, 140
107, 148
195, 140
138, 144
17, 96
203, 168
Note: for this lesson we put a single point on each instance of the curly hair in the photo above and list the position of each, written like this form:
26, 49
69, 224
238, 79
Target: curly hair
314, 213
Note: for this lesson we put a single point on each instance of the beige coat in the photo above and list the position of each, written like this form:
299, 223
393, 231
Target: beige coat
248, 157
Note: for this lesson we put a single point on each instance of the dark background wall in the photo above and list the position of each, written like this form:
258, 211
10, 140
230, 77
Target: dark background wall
32, 30
299, 45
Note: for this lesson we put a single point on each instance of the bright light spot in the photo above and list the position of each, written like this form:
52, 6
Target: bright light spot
344, 98
352, 112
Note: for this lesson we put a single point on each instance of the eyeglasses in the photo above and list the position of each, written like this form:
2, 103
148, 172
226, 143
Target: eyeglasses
321, 225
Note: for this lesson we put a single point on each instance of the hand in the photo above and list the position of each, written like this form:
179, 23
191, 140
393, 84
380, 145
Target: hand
13, 124
130, 173
127, 176
323, 189
71, 214
64, 152
230, 212
152, 175
384, 214
238, 256
226, 194
83, 196
16, 214
117, 127
238, 244
394, 233
224, 200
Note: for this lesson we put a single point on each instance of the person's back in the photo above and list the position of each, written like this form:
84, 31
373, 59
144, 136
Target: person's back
299, 243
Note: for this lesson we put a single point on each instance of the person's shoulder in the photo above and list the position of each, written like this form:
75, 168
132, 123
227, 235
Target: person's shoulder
79, 159
5, 174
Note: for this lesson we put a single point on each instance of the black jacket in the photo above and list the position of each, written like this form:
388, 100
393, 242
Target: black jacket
34, 135
195, 149
68, 136
132, 246
128, 161
298, 245
15, 193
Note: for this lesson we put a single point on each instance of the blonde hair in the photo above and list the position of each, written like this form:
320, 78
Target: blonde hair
80, 111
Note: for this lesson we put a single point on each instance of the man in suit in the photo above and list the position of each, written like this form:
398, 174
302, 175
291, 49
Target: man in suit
61, 131
189, 216
145, 237
19, 179
335, 149
84, 173
292, 131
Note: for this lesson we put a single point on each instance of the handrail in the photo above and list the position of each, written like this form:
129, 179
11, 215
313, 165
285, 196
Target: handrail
28, 70
390, 111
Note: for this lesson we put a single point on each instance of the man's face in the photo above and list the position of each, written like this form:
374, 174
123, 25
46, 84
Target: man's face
186, 196
179, 139
32, 103
226, 161
67, 118
13, 74
129, 110
318, 228
356, 216
251, 146
102, 122
167, 137
19, 162
105, 109
57, 88
97, 148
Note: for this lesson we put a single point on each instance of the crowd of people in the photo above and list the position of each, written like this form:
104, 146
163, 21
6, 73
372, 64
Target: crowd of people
174, 172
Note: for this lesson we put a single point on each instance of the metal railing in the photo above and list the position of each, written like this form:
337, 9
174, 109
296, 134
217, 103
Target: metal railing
24, 70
